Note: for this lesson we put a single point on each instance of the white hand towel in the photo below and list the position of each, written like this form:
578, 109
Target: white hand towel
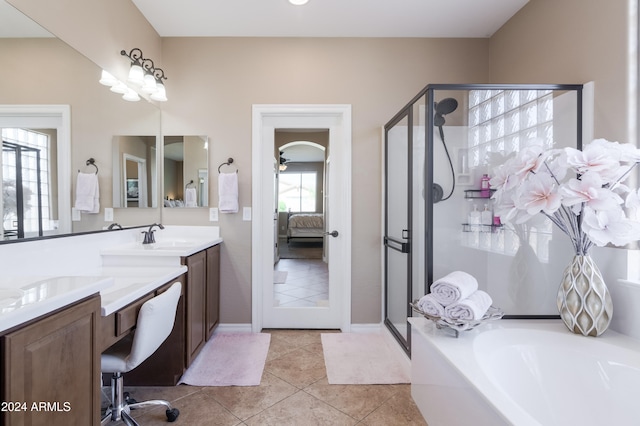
429, 305
472, 308
453, 287
87, 193
190, 198
228, 192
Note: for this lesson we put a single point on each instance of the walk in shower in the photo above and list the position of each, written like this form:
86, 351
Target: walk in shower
440, 151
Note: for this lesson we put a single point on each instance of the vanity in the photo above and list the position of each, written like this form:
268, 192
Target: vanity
54, 325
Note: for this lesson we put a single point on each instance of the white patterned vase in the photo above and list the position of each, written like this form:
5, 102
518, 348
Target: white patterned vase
584, 301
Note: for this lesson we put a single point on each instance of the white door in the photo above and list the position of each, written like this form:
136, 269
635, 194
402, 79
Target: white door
337, 313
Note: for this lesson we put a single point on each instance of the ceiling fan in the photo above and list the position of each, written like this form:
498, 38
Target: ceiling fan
283, 162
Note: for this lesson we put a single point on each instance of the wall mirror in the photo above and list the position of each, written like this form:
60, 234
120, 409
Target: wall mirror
135, 173
93, 116
186, 171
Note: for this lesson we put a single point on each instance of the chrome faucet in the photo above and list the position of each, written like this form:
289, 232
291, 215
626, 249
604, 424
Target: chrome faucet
149, 238
113, 226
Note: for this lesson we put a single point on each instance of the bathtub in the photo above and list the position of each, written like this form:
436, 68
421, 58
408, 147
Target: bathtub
524, 372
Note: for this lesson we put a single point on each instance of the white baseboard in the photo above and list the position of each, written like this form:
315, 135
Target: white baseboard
233, 328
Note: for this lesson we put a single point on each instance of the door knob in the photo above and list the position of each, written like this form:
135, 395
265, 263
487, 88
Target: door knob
332, 233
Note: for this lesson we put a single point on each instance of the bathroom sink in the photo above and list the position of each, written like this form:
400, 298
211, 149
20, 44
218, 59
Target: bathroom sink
162, 247
9, 296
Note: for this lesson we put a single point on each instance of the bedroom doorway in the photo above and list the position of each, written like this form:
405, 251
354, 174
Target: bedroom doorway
267, 310
301, 271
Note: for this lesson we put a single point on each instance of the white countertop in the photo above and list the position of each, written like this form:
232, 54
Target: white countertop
131, 283
42, 295
115, 264
181, 247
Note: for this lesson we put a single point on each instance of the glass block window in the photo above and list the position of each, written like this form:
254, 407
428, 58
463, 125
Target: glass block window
32, 139
504, 121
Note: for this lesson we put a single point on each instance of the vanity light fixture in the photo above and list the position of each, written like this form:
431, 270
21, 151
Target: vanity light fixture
298, 2
143, 73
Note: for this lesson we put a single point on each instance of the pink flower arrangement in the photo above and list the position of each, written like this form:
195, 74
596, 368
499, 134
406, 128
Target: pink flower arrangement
582, 192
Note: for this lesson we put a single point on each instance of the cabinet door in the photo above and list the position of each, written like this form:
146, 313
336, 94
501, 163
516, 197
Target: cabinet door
196, 299
213, 289
54, 363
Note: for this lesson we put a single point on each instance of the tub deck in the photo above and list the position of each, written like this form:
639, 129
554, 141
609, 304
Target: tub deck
524, 372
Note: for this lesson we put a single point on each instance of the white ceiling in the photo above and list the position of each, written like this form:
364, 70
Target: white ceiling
328, 18
318, 18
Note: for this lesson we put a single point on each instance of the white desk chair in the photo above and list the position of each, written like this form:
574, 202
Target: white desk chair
154, 324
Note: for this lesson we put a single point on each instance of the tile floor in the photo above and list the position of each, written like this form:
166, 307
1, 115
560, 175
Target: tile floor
307, 283
294, 391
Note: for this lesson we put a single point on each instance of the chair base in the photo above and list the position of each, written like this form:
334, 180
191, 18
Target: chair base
121, 405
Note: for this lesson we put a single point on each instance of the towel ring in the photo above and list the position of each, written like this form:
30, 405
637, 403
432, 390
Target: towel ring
228, 163
91, 162
190, 183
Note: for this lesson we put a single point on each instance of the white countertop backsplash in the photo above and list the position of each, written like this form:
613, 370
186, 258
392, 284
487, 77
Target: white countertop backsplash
52, 273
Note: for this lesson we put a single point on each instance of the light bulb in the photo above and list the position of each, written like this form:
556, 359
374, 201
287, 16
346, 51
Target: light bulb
131, 96
149, 85
160, 94
107, 79
136, 74
119, 87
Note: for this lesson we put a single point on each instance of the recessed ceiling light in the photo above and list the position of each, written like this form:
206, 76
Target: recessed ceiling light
298, 2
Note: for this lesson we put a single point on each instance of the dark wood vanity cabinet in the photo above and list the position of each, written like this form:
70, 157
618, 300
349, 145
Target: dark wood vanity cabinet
202, 299
51, 369
196, 302
213, 289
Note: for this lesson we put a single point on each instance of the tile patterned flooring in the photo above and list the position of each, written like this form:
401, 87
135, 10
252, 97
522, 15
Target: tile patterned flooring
294, 391
307, 283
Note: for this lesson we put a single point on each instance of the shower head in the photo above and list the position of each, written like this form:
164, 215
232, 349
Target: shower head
444, 107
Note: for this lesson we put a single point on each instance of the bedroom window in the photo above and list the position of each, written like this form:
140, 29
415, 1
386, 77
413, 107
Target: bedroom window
297, 192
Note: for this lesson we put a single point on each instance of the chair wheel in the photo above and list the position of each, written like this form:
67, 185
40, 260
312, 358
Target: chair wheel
128, 399
172, 414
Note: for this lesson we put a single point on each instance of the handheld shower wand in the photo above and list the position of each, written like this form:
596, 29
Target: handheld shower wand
442, 108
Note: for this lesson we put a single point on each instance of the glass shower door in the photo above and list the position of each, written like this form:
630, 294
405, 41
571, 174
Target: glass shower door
397, 239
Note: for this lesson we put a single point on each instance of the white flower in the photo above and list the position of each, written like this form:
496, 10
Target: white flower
609, 226
538, 194
595, 158
589, 189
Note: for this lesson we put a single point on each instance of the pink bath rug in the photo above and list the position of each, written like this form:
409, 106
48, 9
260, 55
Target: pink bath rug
233, 359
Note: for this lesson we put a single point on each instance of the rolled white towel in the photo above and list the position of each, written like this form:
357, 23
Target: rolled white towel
472, 308
453, 287
429, 305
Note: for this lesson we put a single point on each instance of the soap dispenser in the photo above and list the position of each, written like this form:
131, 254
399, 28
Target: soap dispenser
474, 216
486, 217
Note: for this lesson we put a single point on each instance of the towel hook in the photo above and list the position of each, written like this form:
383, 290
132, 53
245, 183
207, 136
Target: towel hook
91, 162
228, 163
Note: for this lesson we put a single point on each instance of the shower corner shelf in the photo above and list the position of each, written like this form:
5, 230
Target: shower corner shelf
471, 227
478, 193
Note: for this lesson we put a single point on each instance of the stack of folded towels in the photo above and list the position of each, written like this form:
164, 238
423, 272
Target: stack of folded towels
456, 296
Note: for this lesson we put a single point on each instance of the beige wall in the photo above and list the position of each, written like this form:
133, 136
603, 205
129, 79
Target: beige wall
97, 29
576, 41
571, 41
215, 81
47, 71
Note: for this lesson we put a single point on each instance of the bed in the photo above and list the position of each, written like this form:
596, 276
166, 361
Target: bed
305, 225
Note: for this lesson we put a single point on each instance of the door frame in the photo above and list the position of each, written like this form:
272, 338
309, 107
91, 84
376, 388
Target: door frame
49, 117
301, 116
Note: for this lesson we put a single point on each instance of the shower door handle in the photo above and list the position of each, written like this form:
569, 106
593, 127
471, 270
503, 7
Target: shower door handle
334, 234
